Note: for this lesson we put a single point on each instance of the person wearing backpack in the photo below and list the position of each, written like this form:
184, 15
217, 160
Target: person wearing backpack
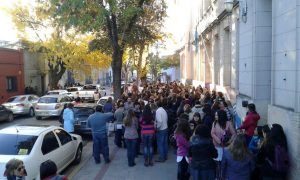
273, 156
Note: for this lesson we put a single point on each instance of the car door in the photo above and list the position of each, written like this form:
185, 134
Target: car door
68, 147
51, 150
3, 113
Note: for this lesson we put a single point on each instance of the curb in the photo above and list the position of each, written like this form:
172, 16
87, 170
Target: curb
79, 166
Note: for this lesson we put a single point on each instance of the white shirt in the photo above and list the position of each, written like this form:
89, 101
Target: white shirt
161, 118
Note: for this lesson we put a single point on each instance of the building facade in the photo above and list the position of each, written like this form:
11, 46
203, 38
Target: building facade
251, 53
11, 73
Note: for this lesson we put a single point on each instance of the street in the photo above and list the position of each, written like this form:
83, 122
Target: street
71, 170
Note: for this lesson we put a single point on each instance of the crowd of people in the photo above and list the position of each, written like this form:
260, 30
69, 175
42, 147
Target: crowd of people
198, 124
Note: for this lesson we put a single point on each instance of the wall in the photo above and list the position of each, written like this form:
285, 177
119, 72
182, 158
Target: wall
11, 64
255, 45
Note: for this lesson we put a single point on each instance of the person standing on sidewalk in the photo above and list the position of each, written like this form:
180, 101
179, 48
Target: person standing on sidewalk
131, 136
68, 118
182, 136
161, 119
97, 122
119, 128
147, 132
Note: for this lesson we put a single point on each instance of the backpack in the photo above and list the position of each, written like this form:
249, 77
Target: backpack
281, 159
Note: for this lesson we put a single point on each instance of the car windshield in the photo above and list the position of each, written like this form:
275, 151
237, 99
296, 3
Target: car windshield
16, 99
72, 89
102, 101
48, 100
14, 144
52, 92
79, 112
89, 87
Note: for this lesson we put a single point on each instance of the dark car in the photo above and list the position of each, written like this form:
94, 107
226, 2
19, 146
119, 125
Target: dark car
81, 113
6, 114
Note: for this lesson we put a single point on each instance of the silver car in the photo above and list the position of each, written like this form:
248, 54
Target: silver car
50, 105
22, 104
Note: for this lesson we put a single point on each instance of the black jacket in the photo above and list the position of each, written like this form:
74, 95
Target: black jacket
202, 152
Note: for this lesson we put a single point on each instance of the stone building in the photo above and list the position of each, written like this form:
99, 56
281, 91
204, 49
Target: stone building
251, 53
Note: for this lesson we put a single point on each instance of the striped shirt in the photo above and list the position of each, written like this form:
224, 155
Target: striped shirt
147, 128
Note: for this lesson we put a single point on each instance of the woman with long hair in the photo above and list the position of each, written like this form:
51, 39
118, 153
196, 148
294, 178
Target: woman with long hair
147, 133
237, 161
182, 136
273, 155
131, 136
222, 132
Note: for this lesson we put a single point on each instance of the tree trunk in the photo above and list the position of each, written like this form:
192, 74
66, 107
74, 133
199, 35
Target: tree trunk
117, 69
55, 73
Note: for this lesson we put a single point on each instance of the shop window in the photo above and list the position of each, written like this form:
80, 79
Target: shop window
11, 83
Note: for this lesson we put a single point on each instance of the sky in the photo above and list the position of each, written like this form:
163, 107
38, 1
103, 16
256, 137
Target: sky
174, 24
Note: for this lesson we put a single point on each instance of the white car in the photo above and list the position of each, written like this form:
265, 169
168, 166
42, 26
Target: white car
103, 100
60, 92
37, 144
22, 104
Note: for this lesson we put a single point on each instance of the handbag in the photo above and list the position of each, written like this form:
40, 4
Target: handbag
111, 127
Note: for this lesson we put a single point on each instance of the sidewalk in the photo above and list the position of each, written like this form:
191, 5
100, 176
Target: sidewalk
118, 168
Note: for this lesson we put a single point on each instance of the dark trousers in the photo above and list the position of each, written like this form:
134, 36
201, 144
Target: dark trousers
182, 171
138, 143
119, 140
148, 148
209, 174
162, 144
100, 145
131, 150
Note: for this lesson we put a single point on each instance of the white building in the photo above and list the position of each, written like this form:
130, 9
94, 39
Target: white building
251, 53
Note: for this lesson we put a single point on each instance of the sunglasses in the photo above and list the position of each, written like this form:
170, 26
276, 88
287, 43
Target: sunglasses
20, 168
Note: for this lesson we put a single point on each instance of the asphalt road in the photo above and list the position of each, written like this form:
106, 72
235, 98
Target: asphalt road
24, 120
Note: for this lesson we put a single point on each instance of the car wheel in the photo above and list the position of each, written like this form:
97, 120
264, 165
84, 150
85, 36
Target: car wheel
38, 117
10, 117
31, 112
78, 155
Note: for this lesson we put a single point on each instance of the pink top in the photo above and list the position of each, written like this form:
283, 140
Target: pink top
217, 132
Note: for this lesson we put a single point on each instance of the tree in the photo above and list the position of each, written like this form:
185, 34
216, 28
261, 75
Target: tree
170, 61
111, 21
61, 49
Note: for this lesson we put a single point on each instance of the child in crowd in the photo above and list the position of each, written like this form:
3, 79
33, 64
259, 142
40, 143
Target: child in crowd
195, 122
256, 139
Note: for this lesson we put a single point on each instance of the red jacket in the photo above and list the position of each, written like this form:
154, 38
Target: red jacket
250, 123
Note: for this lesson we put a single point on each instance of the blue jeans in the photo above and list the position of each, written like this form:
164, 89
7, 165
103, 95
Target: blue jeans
100, 145
131, 150
148, 149
209, 174
162, 144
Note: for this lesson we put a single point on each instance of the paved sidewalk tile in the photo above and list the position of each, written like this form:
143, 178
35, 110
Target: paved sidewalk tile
119, 170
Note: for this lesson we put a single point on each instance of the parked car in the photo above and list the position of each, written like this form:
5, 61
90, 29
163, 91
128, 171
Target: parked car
87, 92
37, 144
103, 100
22, 104
50, 105
81, 113
6, 114
73, 90
60, 92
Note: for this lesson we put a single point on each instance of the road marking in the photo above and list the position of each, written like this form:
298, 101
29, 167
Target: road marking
105, 167
79, 166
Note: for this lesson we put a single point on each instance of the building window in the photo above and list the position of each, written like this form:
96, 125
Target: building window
11, 83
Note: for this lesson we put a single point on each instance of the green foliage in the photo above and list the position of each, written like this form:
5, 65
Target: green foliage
170, 61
